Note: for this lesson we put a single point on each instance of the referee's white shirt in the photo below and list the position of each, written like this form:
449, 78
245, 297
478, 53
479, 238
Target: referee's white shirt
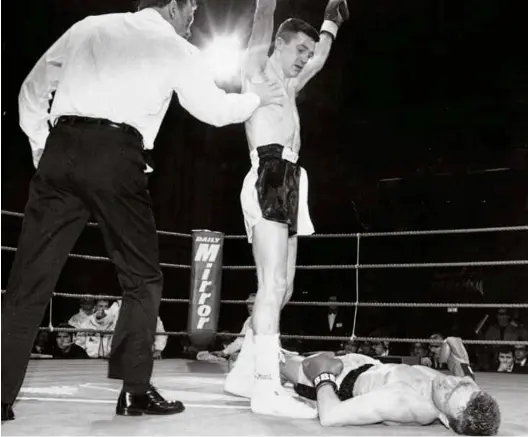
124, 67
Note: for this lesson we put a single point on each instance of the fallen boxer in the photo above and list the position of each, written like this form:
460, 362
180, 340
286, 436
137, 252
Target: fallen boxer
355, 389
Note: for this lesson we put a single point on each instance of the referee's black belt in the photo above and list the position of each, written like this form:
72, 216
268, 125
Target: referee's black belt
76, 120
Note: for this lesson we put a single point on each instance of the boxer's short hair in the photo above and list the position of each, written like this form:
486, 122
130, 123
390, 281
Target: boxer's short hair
292, 26
143, 4
480, 417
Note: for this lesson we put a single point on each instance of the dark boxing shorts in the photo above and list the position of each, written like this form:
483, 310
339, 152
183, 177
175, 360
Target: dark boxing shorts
345, 391
278, 187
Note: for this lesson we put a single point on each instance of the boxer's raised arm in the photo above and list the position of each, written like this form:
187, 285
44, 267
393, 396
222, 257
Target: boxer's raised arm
260, 39
316, 64
336, 13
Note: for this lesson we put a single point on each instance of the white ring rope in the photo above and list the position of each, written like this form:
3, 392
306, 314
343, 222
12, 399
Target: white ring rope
347, 235
323, 304
327, 267
312, 337
356, 267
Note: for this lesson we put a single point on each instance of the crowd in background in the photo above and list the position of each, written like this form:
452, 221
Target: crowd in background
101, 314
82, 341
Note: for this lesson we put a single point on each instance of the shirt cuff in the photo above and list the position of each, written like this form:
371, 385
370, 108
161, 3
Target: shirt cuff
330, 27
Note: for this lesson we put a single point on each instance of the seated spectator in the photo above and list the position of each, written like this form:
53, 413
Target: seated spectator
350, 347
97, 345
381, 349
65, 347
434, 352
420, 351
42, 345
366, 349
521, 359
505, 329
235, 346
506, 360
86, 310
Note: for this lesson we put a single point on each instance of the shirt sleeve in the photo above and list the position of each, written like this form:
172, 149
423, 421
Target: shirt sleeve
199, 94
34, 96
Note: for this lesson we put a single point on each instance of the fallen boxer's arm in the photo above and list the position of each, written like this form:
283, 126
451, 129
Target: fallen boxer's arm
392, 404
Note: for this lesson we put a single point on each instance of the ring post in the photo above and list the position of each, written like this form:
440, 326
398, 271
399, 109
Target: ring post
206, 286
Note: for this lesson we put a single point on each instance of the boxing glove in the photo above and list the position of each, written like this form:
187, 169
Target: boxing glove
455, 355
321, 364
336, 11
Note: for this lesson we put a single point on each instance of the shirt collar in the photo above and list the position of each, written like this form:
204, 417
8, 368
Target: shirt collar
153, 15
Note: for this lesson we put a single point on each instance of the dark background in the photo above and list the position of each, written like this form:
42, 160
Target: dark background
418, 102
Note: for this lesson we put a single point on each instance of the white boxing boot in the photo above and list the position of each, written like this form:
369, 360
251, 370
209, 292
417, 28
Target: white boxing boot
269, 397
240, 380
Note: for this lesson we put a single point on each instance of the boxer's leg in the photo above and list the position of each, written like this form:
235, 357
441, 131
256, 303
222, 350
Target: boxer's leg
290, 269
270, 250
240, 380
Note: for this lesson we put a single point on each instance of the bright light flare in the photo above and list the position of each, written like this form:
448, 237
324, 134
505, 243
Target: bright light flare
224, 55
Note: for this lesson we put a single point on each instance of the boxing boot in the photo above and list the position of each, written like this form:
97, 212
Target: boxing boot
455, 355
269, 397
240, 379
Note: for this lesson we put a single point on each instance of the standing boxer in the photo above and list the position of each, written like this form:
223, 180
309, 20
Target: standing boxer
113, 77
274, 195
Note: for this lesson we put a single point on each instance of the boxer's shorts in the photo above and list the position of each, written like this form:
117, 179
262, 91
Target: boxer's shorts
276, 188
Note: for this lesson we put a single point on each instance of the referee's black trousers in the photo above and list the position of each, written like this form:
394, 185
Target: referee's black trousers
85, 169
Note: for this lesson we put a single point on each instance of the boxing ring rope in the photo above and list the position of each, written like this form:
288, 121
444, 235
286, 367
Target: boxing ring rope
355, 267
346, 235
326, 267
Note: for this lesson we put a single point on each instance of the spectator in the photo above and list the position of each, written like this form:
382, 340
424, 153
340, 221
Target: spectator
86, 310
381, 348
350, 347
42, 345
504, 329
97, 345
506, 359
232, 349
419, 350
521, 359
434, 352
366, 349
65, 347
329, 323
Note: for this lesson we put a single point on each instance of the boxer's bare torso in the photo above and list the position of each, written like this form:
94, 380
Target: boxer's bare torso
274, 124
384, 382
